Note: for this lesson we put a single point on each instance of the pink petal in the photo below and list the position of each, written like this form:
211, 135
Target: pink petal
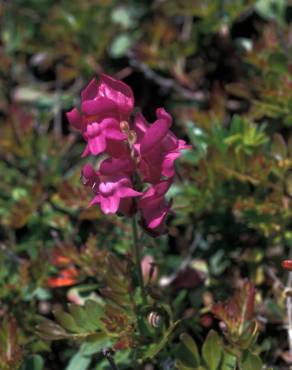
155, 219
107, 188
85, 152
126, 207
100, 107
156, 191
154, 212
125, 192
89, 177
170, 142
88, 170
109, 204
182, 145
75, 118
140, 126
117, 149
162, 114
96, 144
150, 171
90, 91
112, 166
95, 200
112, 129
154, 135
168, 164
117, 91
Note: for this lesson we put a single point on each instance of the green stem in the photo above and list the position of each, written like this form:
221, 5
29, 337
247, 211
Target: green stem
138, 259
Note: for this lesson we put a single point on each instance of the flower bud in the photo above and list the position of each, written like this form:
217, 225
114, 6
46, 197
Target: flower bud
124, 126
132, 137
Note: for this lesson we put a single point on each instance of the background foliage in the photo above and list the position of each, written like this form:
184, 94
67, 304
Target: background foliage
223, 70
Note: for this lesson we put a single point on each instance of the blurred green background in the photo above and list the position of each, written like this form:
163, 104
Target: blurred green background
223, 69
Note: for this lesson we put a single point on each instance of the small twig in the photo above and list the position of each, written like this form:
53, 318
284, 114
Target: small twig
112, 363
186, 261
282, 40
165, 82
9, 253
187, 28
277, 282
138, 258
108, 354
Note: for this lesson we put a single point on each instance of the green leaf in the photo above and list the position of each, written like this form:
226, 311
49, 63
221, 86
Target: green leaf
67, 322
81, 318
212, 350
271, 9
49, 330
180, 366
288, 120
250, 361
278, 62
34, 362
228, 362
279, 147
120, 45
157, 347
32, 95
190, 344
94, 311
88, 348
78, 362
123, 16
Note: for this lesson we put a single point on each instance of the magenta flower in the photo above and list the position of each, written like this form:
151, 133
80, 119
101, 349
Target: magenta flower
108, 97
137, 153
153, 205
105, 104
112, 166
112, 182
97, 134
89, 176
110, 192
155, 133
157, 147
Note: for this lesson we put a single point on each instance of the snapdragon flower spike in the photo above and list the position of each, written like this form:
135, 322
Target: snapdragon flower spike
135, 151
105, 104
